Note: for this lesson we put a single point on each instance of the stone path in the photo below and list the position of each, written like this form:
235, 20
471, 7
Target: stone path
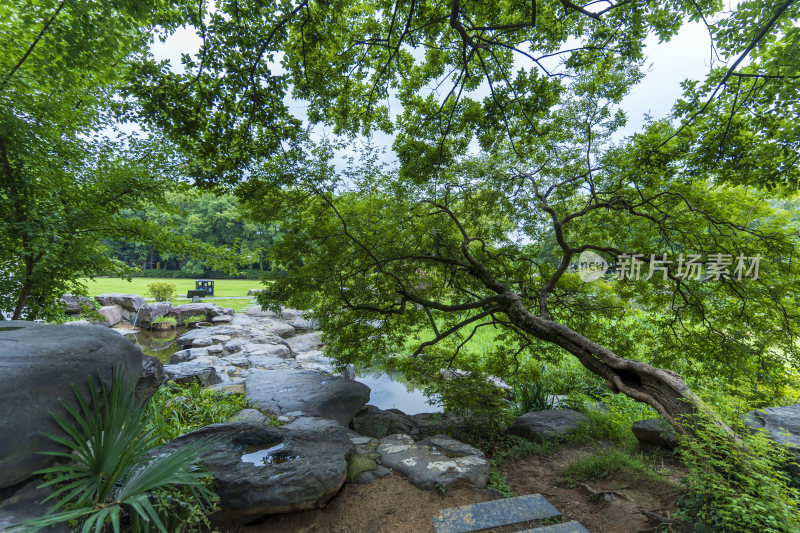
505, 512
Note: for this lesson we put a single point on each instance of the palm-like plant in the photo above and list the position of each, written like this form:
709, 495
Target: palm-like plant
108, 476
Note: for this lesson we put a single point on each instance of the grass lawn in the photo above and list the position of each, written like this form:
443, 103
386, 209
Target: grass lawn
222, 287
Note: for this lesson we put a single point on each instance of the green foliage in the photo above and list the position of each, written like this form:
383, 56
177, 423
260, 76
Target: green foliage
612, 422
108, 474
499, 482
161, 291
194, 319
165, 319
178, 409
738, 485
602, 464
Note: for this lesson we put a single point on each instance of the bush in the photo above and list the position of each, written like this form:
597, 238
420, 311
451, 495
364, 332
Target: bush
178, 409
194, 318
109, 478
162, 291
164, 319
738, 485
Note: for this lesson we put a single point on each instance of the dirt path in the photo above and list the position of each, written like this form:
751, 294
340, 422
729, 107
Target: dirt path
392, 505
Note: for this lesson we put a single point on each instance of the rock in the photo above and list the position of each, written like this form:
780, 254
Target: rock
304, 324
260, 469
253, 292
231, 387
191, 370
39, 364
129, 302
182, 356
655, 433
80, 323
153, 311
206, 310
25, 504
73, 303
782, 424
257, 311
215, 349
305, 342
276, 350
437, 461
242, 320
112, 315
250, 415
151, 378
221, 319
378, 423
307, 391
540, 426
191, 337
290, 314
281, 329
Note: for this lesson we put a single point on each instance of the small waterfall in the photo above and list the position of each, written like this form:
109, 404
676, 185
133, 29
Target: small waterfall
136, 318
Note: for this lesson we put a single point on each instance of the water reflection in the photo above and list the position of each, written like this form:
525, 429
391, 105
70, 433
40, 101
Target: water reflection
161, 344
389, 390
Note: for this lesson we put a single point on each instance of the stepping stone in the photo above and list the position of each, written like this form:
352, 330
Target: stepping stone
494, 513
566, 527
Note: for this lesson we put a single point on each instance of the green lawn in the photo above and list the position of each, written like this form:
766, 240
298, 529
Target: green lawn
222, 287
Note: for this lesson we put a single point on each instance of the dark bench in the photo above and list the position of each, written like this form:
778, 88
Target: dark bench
191, 294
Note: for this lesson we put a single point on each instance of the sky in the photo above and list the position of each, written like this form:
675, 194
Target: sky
686, 56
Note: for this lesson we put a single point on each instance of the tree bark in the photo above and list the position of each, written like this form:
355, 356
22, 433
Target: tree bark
663, 390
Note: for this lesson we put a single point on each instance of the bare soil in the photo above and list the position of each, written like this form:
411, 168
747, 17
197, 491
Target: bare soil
392, 505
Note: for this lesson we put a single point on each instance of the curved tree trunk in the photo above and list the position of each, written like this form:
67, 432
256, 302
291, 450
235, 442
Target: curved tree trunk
662, 389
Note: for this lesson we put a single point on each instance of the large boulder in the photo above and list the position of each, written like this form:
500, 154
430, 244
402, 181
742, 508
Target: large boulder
260, 469
377, 423
26, 504
153, 311
305, 342
151, 378
782, 424
438, 461
308, 392
539, 426
112, 314
190, 371
74, 303
129, 302
204, 309
655, 433
39, 364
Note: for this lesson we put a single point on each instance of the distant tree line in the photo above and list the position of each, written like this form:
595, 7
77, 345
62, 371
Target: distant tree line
214, 219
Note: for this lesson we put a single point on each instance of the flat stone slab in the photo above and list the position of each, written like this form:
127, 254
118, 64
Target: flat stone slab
566, 527
540, 426
435, 461
495, 513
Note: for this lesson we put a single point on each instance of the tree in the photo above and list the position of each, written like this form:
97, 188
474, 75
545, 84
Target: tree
452, 243
65, 172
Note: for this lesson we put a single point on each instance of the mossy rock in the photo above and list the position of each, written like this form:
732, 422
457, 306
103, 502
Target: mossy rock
358, 465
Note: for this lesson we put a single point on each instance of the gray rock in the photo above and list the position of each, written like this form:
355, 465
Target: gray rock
242, 320
182, 356
655, 433
81, 323
192, 370
281, 329
305, 342
250, 415
304, 324
153, 311
26, 504
151, 378
378, 423
73, 303
436, 461
191, 337
215, 349
307, 391
257, 311
221, 319
129, 302
112, 315
39, 364
540, 426
260, 469
782, 424
207, 310
275, 350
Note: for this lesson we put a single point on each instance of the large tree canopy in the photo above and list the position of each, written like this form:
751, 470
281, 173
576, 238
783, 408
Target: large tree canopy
66, 173
447, 242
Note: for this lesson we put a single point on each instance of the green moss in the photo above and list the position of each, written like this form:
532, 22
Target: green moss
358, 465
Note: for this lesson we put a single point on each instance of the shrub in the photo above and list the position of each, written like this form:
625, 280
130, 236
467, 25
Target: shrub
162, 291
109, 478
738, 485
164, 320
178, 409
194, 318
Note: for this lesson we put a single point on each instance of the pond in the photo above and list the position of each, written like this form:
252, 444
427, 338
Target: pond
161, 344
389, 390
